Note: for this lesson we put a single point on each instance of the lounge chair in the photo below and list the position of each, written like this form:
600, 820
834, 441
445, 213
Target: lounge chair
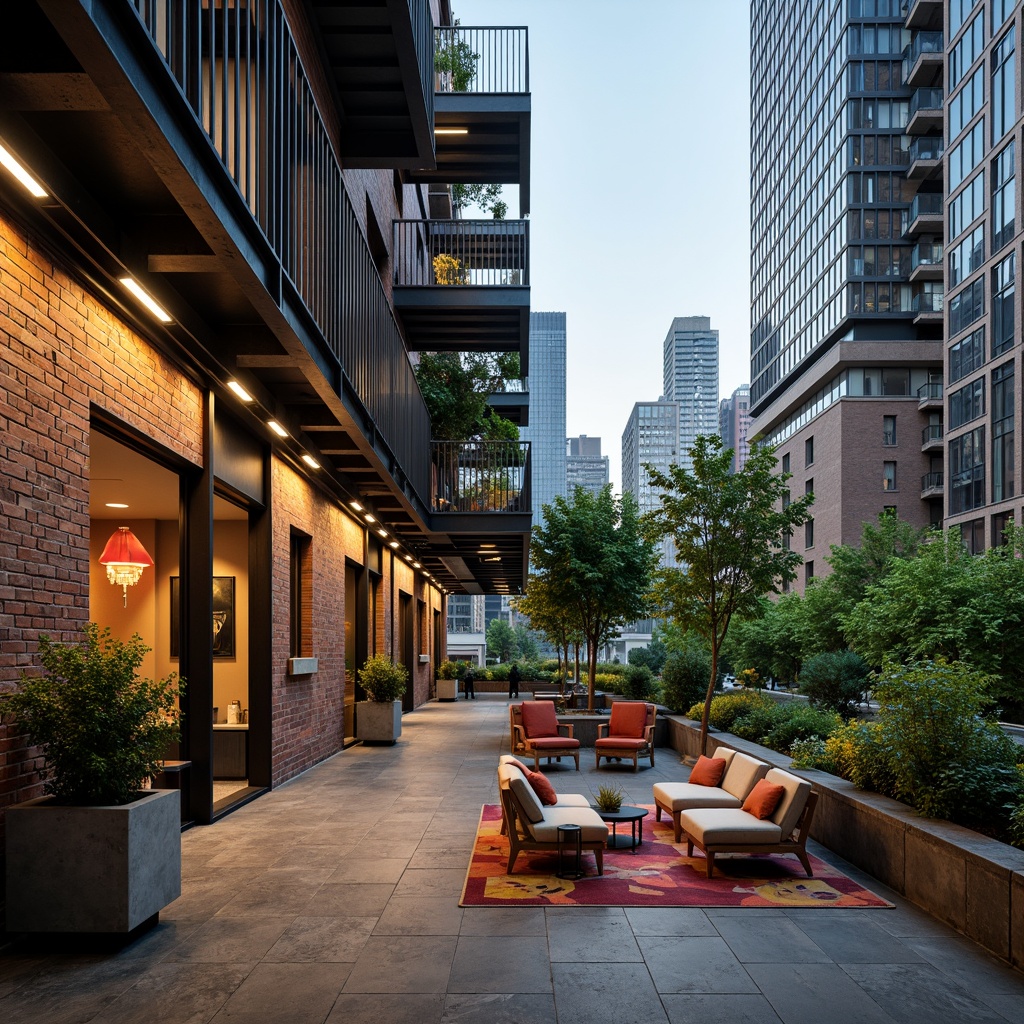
537, 731
628, 734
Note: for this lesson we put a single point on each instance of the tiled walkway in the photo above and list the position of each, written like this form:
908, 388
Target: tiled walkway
335, 898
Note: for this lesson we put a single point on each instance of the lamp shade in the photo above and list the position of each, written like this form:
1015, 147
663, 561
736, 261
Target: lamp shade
125, 558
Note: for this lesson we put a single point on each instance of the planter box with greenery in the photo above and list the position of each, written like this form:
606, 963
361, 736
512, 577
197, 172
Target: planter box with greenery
99, 853
379, 718
448, 681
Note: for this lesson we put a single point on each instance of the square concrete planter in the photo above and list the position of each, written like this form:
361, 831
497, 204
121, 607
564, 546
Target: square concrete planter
447, 689
378, 723
92, 869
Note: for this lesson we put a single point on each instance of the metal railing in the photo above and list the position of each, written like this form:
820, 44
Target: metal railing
926, 204
931, 481
481, 253
481, 60
480, 476
239, 70
930, 392
933, 432
925, 99
926, 254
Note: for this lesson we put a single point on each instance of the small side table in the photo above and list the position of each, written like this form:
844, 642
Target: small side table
570, 844
634, 816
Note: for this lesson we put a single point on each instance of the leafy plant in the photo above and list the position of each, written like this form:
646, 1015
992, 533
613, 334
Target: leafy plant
486, 197
454, 59
727, 707
102, 729
797, 722
684, 677
835, 680
609, 798
450, 669
449, 269
638, 682
383, 680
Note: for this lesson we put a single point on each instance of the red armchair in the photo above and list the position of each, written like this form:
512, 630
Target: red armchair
536, 730
629, 733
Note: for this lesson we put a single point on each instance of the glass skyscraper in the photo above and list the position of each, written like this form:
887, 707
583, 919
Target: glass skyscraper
691, 379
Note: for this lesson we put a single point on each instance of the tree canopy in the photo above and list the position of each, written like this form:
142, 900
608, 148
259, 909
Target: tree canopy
501, 640
455, 387
729, 530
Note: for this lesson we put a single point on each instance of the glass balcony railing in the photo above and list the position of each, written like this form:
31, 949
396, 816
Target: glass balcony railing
926, 204
481, 60
926, 254
930, 392
933, 432
922, 43
926, 99
481, 476
927, 302
927, 148
931, 481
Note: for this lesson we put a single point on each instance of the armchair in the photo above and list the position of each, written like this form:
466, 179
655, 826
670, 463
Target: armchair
537, 731
628, 734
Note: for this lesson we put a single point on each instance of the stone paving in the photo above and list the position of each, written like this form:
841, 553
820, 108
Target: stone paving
335, 898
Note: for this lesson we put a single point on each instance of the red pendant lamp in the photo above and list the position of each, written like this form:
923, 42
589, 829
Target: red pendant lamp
125, 558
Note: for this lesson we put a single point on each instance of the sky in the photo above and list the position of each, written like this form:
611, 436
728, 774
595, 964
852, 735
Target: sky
640, 181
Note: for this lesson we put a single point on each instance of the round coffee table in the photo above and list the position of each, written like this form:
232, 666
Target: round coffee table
634, 816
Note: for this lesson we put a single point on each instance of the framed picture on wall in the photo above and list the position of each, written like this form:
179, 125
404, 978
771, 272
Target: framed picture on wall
223, 616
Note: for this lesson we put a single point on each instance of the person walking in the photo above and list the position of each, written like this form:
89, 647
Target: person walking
513, 681
467, 684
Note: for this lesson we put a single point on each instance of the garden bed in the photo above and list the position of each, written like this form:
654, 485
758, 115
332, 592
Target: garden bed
968, 881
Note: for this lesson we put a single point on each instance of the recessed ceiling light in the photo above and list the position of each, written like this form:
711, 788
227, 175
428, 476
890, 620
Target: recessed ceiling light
488, 545
394, 544
417, 565
408, 558
239, 391
146, 299
310, 461
383, 532
356, 506
451, 131
277, 428
116, 504
16, 168
370, 518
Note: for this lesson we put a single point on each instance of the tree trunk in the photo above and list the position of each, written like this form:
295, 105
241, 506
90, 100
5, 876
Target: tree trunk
704, 719
591, 672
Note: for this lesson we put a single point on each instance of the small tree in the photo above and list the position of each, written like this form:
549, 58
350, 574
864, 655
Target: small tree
835, 680
728, 530
501, 640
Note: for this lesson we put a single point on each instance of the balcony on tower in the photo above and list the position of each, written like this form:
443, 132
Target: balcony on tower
923, 58
932, 485
926, 262
927, 305
932, 438
922, 13
463, 285
929, 396
925, 112
481, 109
926, 214
925, 156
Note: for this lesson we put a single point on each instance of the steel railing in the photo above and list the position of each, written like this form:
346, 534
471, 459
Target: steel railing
482, 253
926, 148
239, 70
481, 60
927, 302
480, 476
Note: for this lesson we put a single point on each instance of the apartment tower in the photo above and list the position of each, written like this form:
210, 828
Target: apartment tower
691, 379
734, 425
585, 466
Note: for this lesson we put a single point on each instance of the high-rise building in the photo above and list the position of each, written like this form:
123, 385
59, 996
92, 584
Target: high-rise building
585, 466
651, 438
546, 432
691, 379
734, 425
846, 236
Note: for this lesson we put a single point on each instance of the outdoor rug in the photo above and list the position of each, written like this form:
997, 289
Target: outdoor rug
657, 874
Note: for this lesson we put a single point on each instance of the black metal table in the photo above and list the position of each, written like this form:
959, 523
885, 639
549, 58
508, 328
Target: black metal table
634, 816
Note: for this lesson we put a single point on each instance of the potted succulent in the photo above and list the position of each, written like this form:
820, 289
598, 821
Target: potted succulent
609, 799
379, 717
100, 852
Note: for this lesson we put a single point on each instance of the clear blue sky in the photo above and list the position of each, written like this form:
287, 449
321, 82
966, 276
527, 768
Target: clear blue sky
640, 188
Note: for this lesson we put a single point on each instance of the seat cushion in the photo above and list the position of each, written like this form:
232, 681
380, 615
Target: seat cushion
553, 743
546, 831
677, 796
620, 743
628, 718
717, 826
539, 719
572, 800
742, 773
708, 771
526, 798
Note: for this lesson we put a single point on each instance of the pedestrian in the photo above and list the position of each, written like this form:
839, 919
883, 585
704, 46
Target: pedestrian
513, 681
467, 684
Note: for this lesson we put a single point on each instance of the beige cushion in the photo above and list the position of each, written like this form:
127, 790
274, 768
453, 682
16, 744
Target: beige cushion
677, 796
546, 831
793, 801
724, 753
572, 800
526, 798
716, 826
742, 773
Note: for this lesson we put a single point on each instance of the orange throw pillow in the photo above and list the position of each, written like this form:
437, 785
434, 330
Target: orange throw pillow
763, 799
708, 771
544, 790
516, 763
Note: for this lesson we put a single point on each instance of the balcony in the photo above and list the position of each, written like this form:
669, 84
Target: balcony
929, 396
464, 285
481, 109
922, 13
927, 307
513, 401
481, 506
926, 262
925, 157
378, 57
925, 112
931, 437
926, 214
931, 485
923, 58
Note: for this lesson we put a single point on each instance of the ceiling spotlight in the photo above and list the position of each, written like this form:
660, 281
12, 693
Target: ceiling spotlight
116, 504
356, 506
277, 428
310, 461
370, 518
239, 391
146, 299
393, 544
383, 532
451, 131
417, 565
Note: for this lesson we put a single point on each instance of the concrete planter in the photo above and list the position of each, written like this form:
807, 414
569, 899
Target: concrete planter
447, 689
378, 723
92, 869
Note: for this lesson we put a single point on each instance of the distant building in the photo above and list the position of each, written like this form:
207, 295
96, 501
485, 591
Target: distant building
734, 425
585, 466
546, 432
691, 379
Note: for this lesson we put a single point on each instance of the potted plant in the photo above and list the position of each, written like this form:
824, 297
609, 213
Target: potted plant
448, 681
100, 852
609, 799
379, 717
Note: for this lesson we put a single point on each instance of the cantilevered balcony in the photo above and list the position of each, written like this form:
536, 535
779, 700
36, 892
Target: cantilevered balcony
931, 438
379, 59
464, 285
923, 58
925, 156
925, 112
481, 504
926, 262
922, 13
929, 396
512, 401
931, 485
482, 109
926, 214
927, 306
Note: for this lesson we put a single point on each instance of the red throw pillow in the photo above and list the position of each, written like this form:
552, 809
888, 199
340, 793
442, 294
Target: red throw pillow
763, 799
708, 771
516, 763
544, 790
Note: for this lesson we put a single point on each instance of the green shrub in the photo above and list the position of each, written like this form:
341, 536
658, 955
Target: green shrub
755, 722
727, 707
798, 721
549, 665
609, 683
653, 657
685, 677
1016, 828
383, 680
835, 680
500, 672
607, 667
813, 753
448, 670
638, 682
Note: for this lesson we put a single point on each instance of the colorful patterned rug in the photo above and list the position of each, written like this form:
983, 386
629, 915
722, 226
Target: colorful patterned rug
658, 874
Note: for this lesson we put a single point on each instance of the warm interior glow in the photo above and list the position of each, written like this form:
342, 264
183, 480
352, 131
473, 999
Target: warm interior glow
239, 391
146, 299
277, 428
417, 565
394, 544
370, 518
125, 558
9, 161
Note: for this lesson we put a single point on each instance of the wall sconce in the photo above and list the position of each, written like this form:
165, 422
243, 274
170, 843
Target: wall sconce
125, 558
